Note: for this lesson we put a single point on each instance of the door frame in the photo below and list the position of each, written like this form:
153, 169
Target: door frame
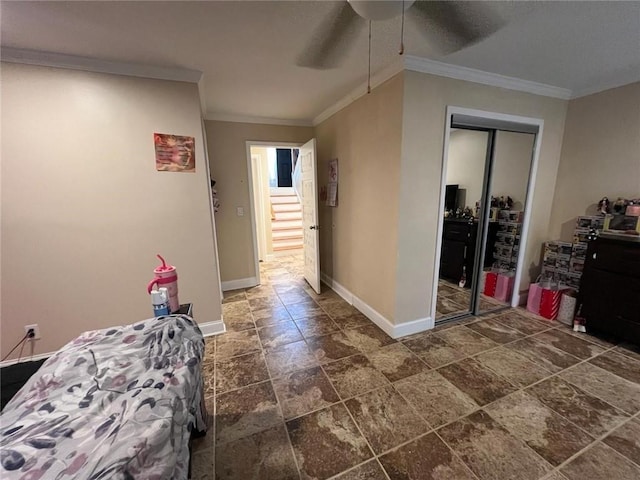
499, 121
253, 213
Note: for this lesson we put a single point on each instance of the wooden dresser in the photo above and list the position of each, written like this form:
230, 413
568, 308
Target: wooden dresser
610, 287
459, 247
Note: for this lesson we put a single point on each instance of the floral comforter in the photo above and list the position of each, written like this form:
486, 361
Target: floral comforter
118, 403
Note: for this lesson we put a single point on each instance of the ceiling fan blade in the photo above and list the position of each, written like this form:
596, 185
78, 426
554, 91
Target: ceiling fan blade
331, 40
452, 25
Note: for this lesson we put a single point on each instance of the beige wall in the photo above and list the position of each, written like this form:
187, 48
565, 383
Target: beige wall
359, 236
465, 164
228, 160
424, 110
511, 166
600, 156
83, 209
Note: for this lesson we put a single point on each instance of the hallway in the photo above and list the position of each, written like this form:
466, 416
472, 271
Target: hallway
303, 386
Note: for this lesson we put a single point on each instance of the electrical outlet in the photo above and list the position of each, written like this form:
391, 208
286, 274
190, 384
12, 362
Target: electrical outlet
36, 329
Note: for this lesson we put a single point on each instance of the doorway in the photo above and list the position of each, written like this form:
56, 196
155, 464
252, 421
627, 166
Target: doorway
283, 201
276, 201
489, 165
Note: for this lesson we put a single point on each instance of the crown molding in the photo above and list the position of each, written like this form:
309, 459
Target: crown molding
73, 62
360, 91
629, 78
224, 117
424, 65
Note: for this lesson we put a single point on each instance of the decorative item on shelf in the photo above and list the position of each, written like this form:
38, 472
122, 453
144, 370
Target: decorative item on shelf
626, 224
604, 206
620, 205
502, 202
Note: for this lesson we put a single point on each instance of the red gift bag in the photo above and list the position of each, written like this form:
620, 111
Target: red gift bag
490, 284
504, 286
550, 303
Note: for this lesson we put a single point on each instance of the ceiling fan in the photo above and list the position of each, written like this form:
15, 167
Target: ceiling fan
448, 26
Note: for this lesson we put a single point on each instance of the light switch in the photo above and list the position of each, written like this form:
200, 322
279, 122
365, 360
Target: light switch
240, 211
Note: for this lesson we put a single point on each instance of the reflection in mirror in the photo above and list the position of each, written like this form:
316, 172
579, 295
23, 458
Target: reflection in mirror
465, 169
508, 189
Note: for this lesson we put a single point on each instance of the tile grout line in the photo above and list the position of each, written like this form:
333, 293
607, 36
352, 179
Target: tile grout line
518, 389
343, 402
599, 440
455, 454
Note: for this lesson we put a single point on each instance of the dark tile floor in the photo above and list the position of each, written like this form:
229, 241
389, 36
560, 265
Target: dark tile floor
454, 300
305, 387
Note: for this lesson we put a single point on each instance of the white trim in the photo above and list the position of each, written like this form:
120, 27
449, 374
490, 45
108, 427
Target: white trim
394, 331
203, 100
414, 326
346, 295
360, 91
424, 65
601, 87
253, 217
240, 283
227, 117
26, 358
208, 329
528, 207
485, 119
212, 328
73, 62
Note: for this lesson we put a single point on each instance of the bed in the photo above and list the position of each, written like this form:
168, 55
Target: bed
118, 403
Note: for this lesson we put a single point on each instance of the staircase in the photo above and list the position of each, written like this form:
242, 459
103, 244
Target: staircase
286, 220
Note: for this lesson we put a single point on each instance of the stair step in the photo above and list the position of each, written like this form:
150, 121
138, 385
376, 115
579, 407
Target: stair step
287, 207
288, 246
287, 235
288, 216
277, 225
284, 199
282, 191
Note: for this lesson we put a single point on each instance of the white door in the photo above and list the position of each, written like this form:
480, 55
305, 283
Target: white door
310, 214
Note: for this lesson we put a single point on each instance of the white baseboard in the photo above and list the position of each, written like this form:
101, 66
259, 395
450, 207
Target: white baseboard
212, 328
208, 329
414, 326
26, 358
336, 287
239, 283
394, 331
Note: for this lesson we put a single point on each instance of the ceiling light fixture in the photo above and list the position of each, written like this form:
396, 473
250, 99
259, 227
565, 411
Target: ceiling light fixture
380, 9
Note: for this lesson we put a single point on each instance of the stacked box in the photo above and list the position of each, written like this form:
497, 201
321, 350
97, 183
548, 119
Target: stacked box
556, 260
563, 261
508, 239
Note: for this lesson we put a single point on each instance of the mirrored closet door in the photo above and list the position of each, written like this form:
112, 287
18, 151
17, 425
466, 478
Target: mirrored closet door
465, 172
487, 175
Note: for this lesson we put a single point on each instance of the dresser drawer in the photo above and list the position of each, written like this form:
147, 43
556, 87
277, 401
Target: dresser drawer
457, 231
609, 298
615, 257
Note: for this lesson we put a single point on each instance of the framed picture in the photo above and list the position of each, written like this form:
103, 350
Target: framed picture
174, 153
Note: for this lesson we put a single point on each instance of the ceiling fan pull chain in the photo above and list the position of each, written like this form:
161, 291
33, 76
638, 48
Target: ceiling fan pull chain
401, 52
369, 73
